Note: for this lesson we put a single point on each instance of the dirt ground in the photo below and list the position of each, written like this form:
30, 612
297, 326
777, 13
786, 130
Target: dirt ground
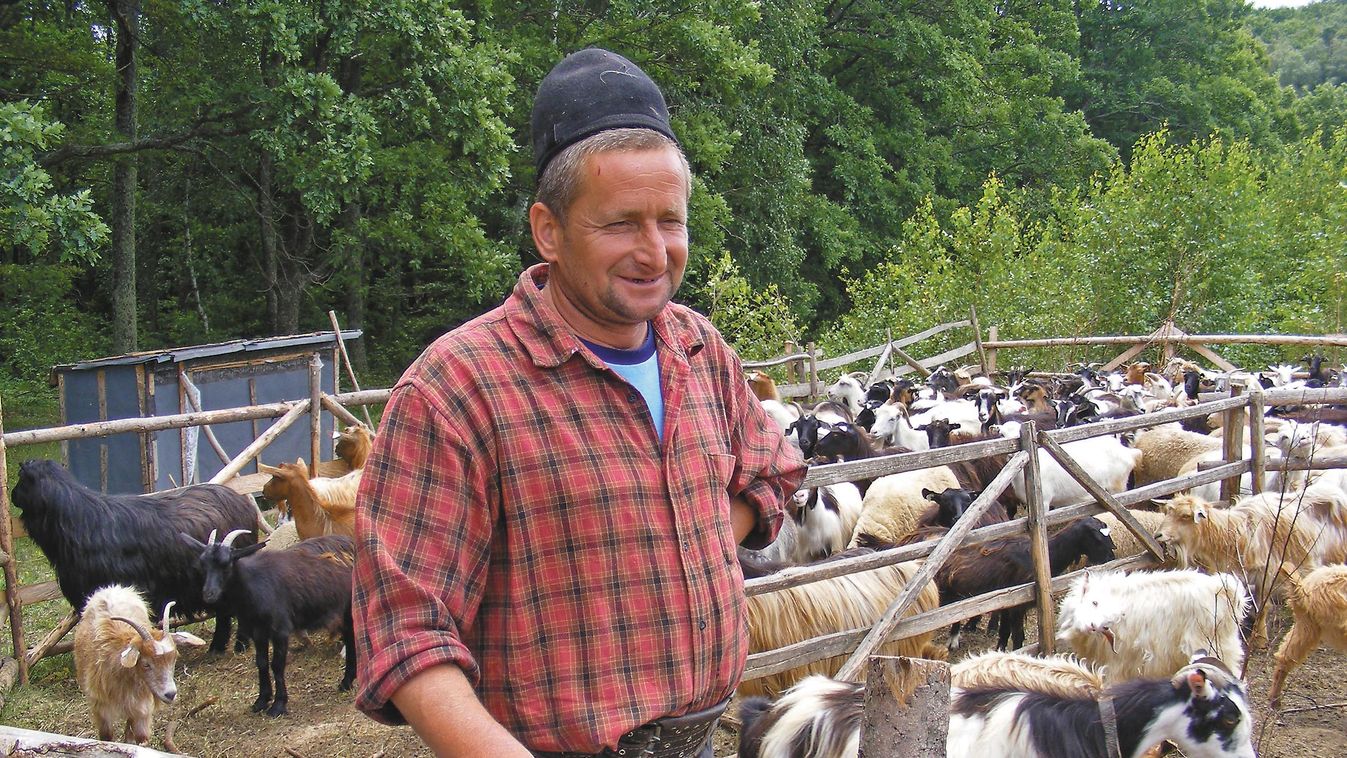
323, 724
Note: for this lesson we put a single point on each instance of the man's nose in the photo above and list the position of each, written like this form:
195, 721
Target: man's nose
652, 249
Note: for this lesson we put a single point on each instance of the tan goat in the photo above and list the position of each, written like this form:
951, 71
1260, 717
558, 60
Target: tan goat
320, 506
1319, 604
124, 665
1262, 543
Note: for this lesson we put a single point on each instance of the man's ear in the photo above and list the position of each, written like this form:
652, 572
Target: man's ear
546, 231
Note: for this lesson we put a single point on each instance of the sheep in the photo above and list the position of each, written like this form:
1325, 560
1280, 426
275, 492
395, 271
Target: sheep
1202, 708
1106, 459
1261, 543
763, 386
1125, 543
92, 540
993, 565
1165, 449
277, 593
843, 603
1319, 608
322, 505
1146, 623
894, 503
123, 664
826, 517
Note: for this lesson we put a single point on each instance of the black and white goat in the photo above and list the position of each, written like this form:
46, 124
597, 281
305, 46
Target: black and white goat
1203, 709
279, 592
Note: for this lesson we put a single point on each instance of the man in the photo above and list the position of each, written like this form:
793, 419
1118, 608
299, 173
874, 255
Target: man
547, 525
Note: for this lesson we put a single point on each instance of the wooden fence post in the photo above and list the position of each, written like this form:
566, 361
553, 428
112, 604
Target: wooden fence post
1258, 458
792, 374
813, 373
1038, 539
906, 712
1232, 447
977, 338
315, 411
991, 351
12, 600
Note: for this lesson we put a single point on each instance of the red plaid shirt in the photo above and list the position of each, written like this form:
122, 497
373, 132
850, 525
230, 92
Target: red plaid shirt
519, 518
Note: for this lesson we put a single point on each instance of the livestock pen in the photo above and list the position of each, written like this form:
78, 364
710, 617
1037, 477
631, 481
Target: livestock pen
1241, 410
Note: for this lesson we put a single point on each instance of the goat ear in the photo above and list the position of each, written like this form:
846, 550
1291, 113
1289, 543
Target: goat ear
187, 639
929, 494
265, 469
191, 541
130, 656
1199, 514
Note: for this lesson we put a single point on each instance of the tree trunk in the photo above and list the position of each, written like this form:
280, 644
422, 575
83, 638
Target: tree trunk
126, 15
266, 217
354, 291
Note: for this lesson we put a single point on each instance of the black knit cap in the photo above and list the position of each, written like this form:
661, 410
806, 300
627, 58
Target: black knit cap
592, 91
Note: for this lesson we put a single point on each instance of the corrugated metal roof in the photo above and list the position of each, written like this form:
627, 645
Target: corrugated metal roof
179, 354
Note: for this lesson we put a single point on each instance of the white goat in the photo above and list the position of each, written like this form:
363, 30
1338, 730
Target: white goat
124, 664
826, 518
1147, 623
1106, 459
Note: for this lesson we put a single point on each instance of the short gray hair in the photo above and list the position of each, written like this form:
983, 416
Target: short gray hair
560, 182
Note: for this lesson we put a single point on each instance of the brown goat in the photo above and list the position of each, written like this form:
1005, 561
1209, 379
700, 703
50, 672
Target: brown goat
320, 506
123, 664
763, 386
353, 445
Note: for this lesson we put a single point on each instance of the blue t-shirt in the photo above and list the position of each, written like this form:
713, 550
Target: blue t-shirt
640, 367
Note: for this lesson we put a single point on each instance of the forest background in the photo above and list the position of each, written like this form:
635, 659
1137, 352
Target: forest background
177, 172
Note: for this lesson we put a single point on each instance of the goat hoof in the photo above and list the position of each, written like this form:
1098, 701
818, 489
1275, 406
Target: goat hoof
259, 705
276, 709
345, 685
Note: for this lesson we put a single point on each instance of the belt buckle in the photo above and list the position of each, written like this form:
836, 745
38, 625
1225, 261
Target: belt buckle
649, 750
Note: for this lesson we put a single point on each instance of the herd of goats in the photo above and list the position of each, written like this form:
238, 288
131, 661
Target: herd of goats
1157, 655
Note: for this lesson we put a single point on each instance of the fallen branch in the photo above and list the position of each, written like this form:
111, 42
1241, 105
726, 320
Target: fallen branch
169, 744
1313, 708
294, 753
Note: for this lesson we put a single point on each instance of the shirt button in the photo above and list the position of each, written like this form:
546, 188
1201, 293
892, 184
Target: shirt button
701, 624
631, 397
687, 546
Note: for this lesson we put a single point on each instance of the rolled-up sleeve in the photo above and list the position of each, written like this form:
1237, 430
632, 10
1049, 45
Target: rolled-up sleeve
769, 468
424, 521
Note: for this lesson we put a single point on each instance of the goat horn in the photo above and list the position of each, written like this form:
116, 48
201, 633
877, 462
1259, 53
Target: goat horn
211, 539
228, 541
168, 610
144, 635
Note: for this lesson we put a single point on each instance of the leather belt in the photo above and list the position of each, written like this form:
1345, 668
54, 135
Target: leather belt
668, 737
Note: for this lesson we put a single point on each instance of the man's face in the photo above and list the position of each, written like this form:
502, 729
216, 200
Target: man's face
621, 253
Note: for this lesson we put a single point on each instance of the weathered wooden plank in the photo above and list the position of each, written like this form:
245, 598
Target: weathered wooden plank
13, 602
1132, 423
869, 468
1038, 535
906, 707
1189, 339
49, 640
265, 438
15, 741
152, 424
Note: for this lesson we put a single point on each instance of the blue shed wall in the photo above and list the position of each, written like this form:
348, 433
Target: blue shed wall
124, 451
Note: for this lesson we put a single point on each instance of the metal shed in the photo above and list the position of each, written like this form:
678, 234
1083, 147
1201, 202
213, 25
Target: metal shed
181, 380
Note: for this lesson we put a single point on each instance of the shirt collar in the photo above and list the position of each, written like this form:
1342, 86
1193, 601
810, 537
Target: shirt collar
550, 342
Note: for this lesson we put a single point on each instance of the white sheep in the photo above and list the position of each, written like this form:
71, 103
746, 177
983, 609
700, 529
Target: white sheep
1261, 543
839, 604
893, 504
1106, 459
124, 664
1148, 623
1319, 607
1062, 675
1165, 449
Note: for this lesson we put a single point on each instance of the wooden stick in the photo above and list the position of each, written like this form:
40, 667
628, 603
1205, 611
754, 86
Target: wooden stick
1258, 470
266, 438
977, 339
346, 360
13, 605
1314, 708
1339, 340
49, 641
153, 424
1104, 497
335, 408
913, 362
315, 412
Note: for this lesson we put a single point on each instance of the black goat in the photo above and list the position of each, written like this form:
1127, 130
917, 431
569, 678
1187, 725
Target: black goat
948, 506
994, 565
279, 592
842, 441
93, 540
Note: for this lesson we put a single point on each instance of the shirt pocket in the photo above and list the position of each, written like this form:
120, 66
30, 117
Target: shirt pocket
721, 468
